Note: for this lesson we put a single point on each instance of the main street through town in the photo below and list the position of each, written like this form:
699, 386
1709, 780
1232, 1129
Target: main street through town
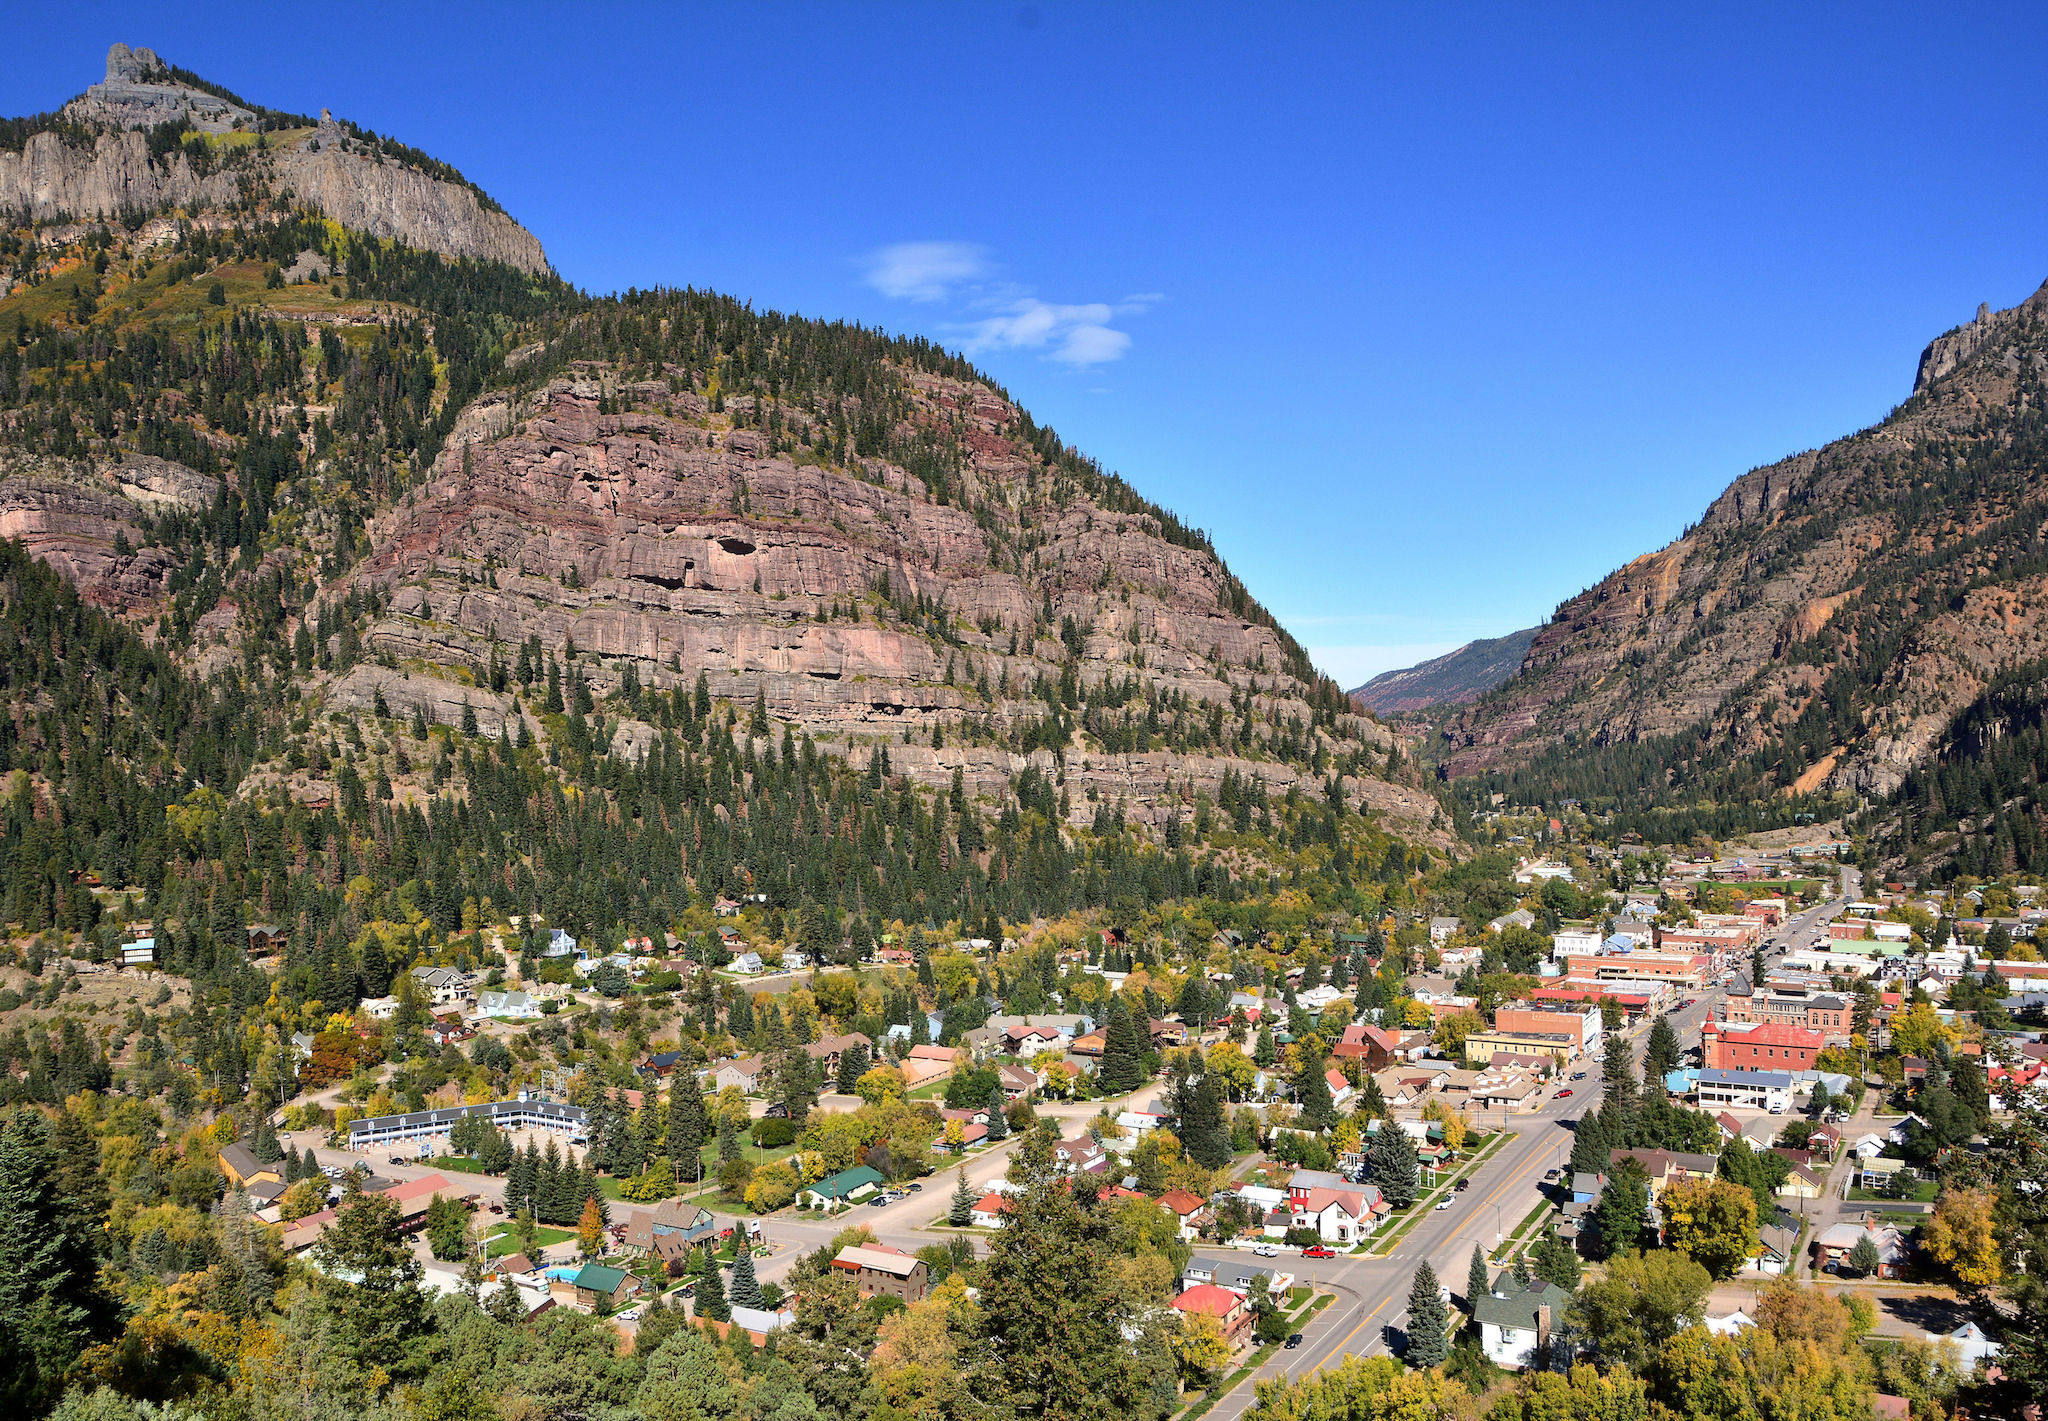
1371, 1291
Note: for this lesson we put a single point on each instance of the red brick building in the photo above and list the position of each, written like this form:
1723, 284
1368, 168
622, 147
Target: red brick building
1767, 1046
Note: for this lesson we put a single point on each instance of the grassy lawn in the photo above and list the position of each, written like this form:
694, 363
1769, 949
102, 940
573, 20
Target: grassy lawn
461, 1164
1522, 1232
505, 1241
1922, 1192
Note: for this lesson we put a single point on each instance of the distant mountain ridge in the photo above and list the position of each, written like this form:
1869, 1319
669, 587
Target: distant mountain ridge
1825, 626
1454, 679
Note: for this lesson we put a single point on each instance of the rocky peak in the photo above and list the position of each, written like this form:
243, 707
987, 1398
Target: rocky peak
1945, 354
137, 94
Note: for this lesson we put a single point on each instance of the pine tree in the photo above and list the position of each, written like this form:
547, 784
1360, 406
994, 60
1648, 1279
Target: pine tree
1264, 1052
711, 1289
1395, 1167
853, 1064
1372, 1101
1522, 1269
1312, 1093
1477, 1284
1590, 1150
1663, 1054
746, 1289
962, 1212
1620, 1105
1427, 1321
998, 1122
686, 1121
1623, 1208
1204, 1135
1558, 1262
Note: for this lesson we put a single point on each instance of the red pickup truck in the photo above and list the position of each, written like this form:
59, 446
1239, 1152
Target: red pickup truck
1318, 1251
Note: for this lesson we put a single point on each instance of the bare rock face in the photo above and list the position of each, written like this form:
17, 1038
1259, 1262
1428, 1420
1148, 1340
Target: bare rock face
669, 540
1729, 631
55, 177
77, 517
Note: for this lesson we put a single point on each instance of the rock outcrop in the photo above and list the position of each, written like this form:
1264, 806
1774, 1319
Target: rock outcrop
666, 540
87, 520
1456, 678
105, 169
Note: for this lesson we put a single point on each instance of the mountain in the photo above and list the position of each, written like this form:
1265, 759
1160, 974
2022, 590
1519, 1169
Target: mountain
1819, 632
480, 589
151, 137
1455, 678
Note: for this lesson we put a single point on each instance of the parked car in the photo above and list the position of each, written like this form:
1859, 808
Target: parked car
630, 1315
1318, 1251
1293, 1341
497, 1208
914, 1187
1443, 1204
1564, 1094
1579, 1076
398, 1159
1462, 1185
1549, 1176
1266, 1250
880, 1201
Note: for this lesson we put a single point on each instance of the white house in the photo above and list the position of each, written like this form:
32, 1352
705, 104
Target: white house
1729, 1324
746, 964
1972, 1344
1515, 1324
516, 1006
1337, 1215
443, 984
1749, 1090
380, 1008
1868, 1146
560, 944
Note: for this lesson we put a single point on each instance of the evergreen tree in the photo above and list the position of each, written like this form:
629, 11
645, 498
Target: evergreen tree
685, 1141
1621, 1214
1204, 1134
51, 1301
1264, 1052
1396, 1168
1477, 1283
998, 1122
1122, 1069
1663, 1055
1372, 1101
710, 1293
962, 1212
1522, 1269
853, 1064
1590, 1148
1620, 1106
1312, 1093
1427, 1320
746, 1289
1558, 1262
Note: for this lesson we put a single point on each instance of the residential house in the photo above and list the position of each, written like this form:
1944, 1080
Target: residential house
745, 1073
1191, 1210
1442, 928
380, 1008
827, 1050
139, 953
746, 964
266, 938
1343, 1215
601, 1288
1081, 1154
1666, 1167
660, 1065
441, 983
669, 1231
1018, 1080
1364, 1042
1586, 1187
560, 944
878, 1270
842, 1188
760, 1323
1232, 1311
1801, 1182
989, 1208
1341, 1090
1832, 1248
1237, 1276
239, 1163
1776, 1243
1520, 918
512, 1006
1515, 1323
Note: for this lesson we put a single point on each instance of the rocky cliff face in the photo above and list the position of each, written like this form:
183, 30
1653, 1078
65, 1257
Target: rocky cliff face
666, 539
1830, 613
104, 168
85, 517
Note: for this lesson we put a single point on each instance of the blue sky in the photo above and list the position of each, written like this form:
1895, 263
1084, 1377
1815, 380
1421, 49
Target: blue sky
1432, 315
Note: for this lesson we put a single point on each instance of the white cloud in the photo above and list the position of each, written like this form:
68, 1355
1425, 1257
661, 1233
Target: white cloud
925, 271
1077, 335
1352, 666
1012, 318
